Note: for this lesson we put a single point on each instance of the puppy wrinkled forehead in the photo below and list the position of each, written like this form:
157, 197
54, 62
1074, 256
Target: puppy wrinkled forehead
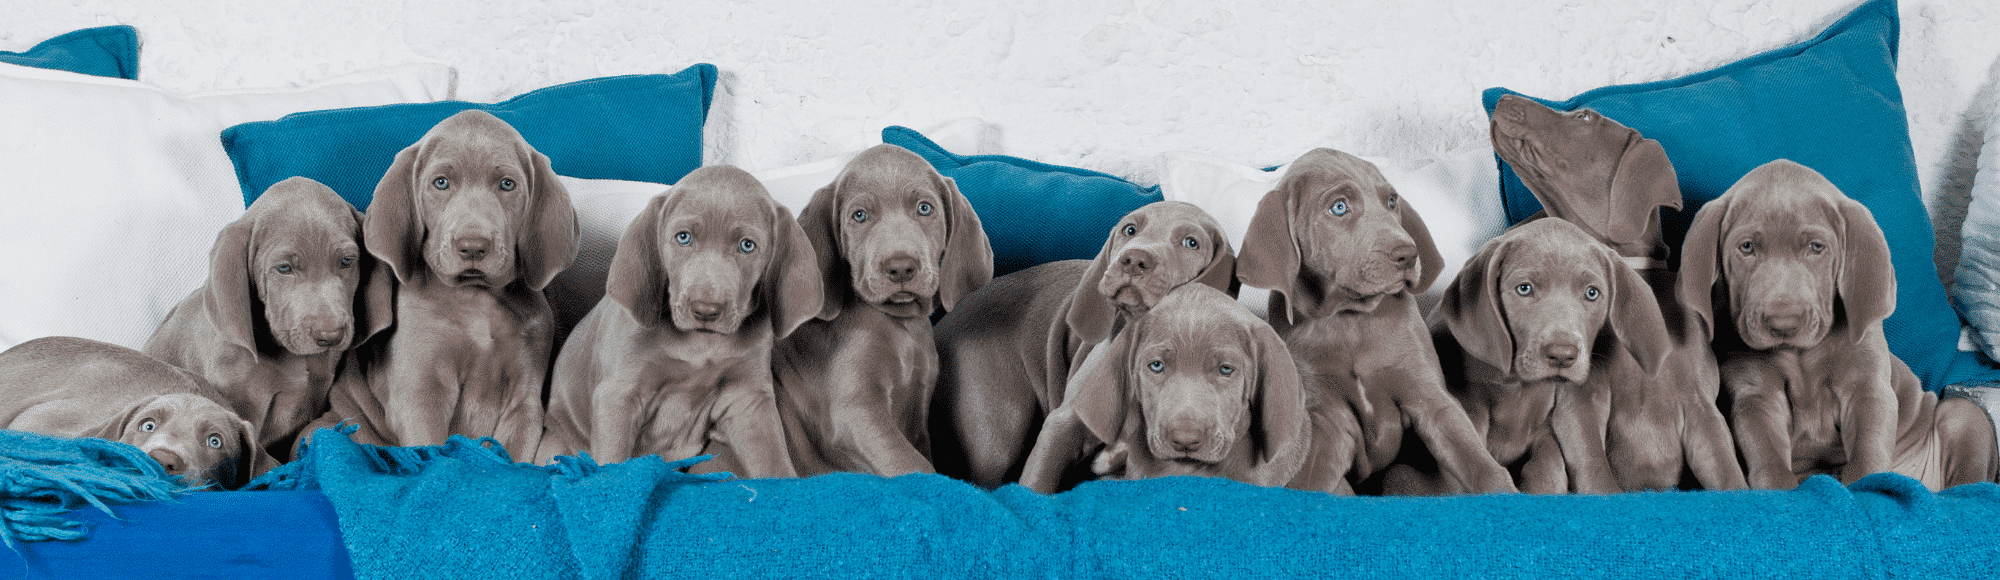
1327, 165
732, 187
472, 131
1200, 310
887, 167
1550, 242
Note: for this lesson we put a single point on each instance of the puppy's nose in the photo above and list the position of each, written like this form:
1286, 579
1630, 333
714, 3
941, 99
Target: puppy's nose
705, 311
1404, 256
1136, 262
169, 460
900, 268
1560, 355
473, 247
1783, 321
327, 337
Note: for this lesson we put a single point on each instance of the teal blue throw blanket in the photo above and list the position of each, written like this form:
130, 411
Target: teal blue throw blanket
42, 478
464, 510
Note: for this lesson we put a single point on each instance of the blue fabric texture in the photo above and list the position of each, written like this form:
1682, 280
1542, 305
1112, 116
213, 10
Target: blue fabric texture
634, 128
1831, 103
1033, 212
198, 536
42, 478
463, 509
105, 51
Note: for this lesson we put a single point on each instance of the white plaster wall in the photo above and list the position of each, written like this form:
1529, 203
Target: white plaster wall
1104, 85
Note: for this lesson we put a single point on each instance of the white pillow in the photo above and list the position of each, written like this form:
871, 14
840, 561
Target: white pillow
1458, 197
604, 207
116, 190
1977, 289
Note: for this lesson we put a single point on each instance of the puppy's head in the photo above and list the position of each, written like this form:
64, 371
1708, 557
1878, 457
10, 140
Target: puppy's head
894, 234
713, 252
1335, 236
291, 273
191, 436
1794, 257
475, 206
1207, 381
1544, 301
1152, 251
1589, 170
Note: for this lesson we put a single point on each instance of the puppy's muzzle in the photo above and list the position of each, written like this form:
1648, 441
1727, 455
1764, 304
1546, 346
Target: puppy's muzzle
172, 462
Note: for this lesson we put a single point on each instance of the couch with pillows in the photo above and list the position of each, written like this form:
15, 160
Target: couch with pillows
118, 187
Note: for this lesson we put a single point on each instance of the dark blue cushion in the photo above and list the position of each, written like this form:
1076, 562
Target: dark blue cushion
633, 128
1831, 103
1033, 212
105, 51
217, 534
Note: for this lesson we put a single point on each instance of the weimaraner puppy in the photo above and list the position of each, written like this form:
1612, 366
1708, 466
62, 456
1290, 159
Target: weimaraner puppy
289, 290
474, 223
1007, 350
1198, 386
1793, 278
1607, 179
74, 387
1344, 257
894, 241
675, 360
1537, 327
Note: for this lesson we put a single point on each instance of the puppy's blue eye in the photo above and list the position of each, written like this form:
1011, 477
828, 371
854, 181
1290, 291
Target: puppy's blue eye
214, 442
1191, 243
147, 426
1339, 207
1131, 230
748, 246
1391, 202
1226, 370
1590, 293
506, 184
284, 268
1524, 289
1745, 247
924, 208
347, 262
1156, 366
441, 183
860, 215
683, 238
1818, 247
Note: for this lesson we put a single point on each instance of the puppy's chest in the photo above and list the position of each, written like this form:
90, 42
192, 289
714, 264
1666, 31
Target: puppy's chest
1815, 413
472, 330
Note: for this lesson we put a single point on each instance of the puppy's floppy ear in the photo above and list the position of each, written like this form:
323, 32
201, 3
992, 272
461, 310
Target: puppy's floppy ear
251, 459
392, 231
1100, 390
1428, 259
636, 279
968, 256
1471, 307
113, 427
552, 236
375, 298
1634, 315
229, 296
1278, 407
1270, 255
817, 220
794, 289
1090, 314
1866, 282
1643, 182
1701, 261
1220, 272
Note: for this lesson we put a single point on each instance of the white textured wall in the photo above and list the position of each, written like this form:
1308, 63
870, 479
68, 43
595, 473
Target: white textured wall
1102, 85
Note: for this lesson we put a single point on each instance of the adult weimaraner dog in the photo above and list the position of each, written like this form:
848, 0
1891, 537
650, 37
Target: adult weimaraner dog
895, 241
74, 387
1607, 179
1007, 350
289, 290
1344, 256
1537, 327
1198, 386
1793, 278
474, 224
675, 360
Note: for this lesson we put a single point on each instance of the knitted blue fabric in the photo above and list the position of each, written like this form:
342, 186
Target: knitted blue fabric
42, 478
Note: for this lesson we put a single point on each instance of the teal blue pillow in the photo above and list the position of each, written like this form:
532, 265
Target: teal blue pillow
1831, 103
1033, 212
105, 51
633, 128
